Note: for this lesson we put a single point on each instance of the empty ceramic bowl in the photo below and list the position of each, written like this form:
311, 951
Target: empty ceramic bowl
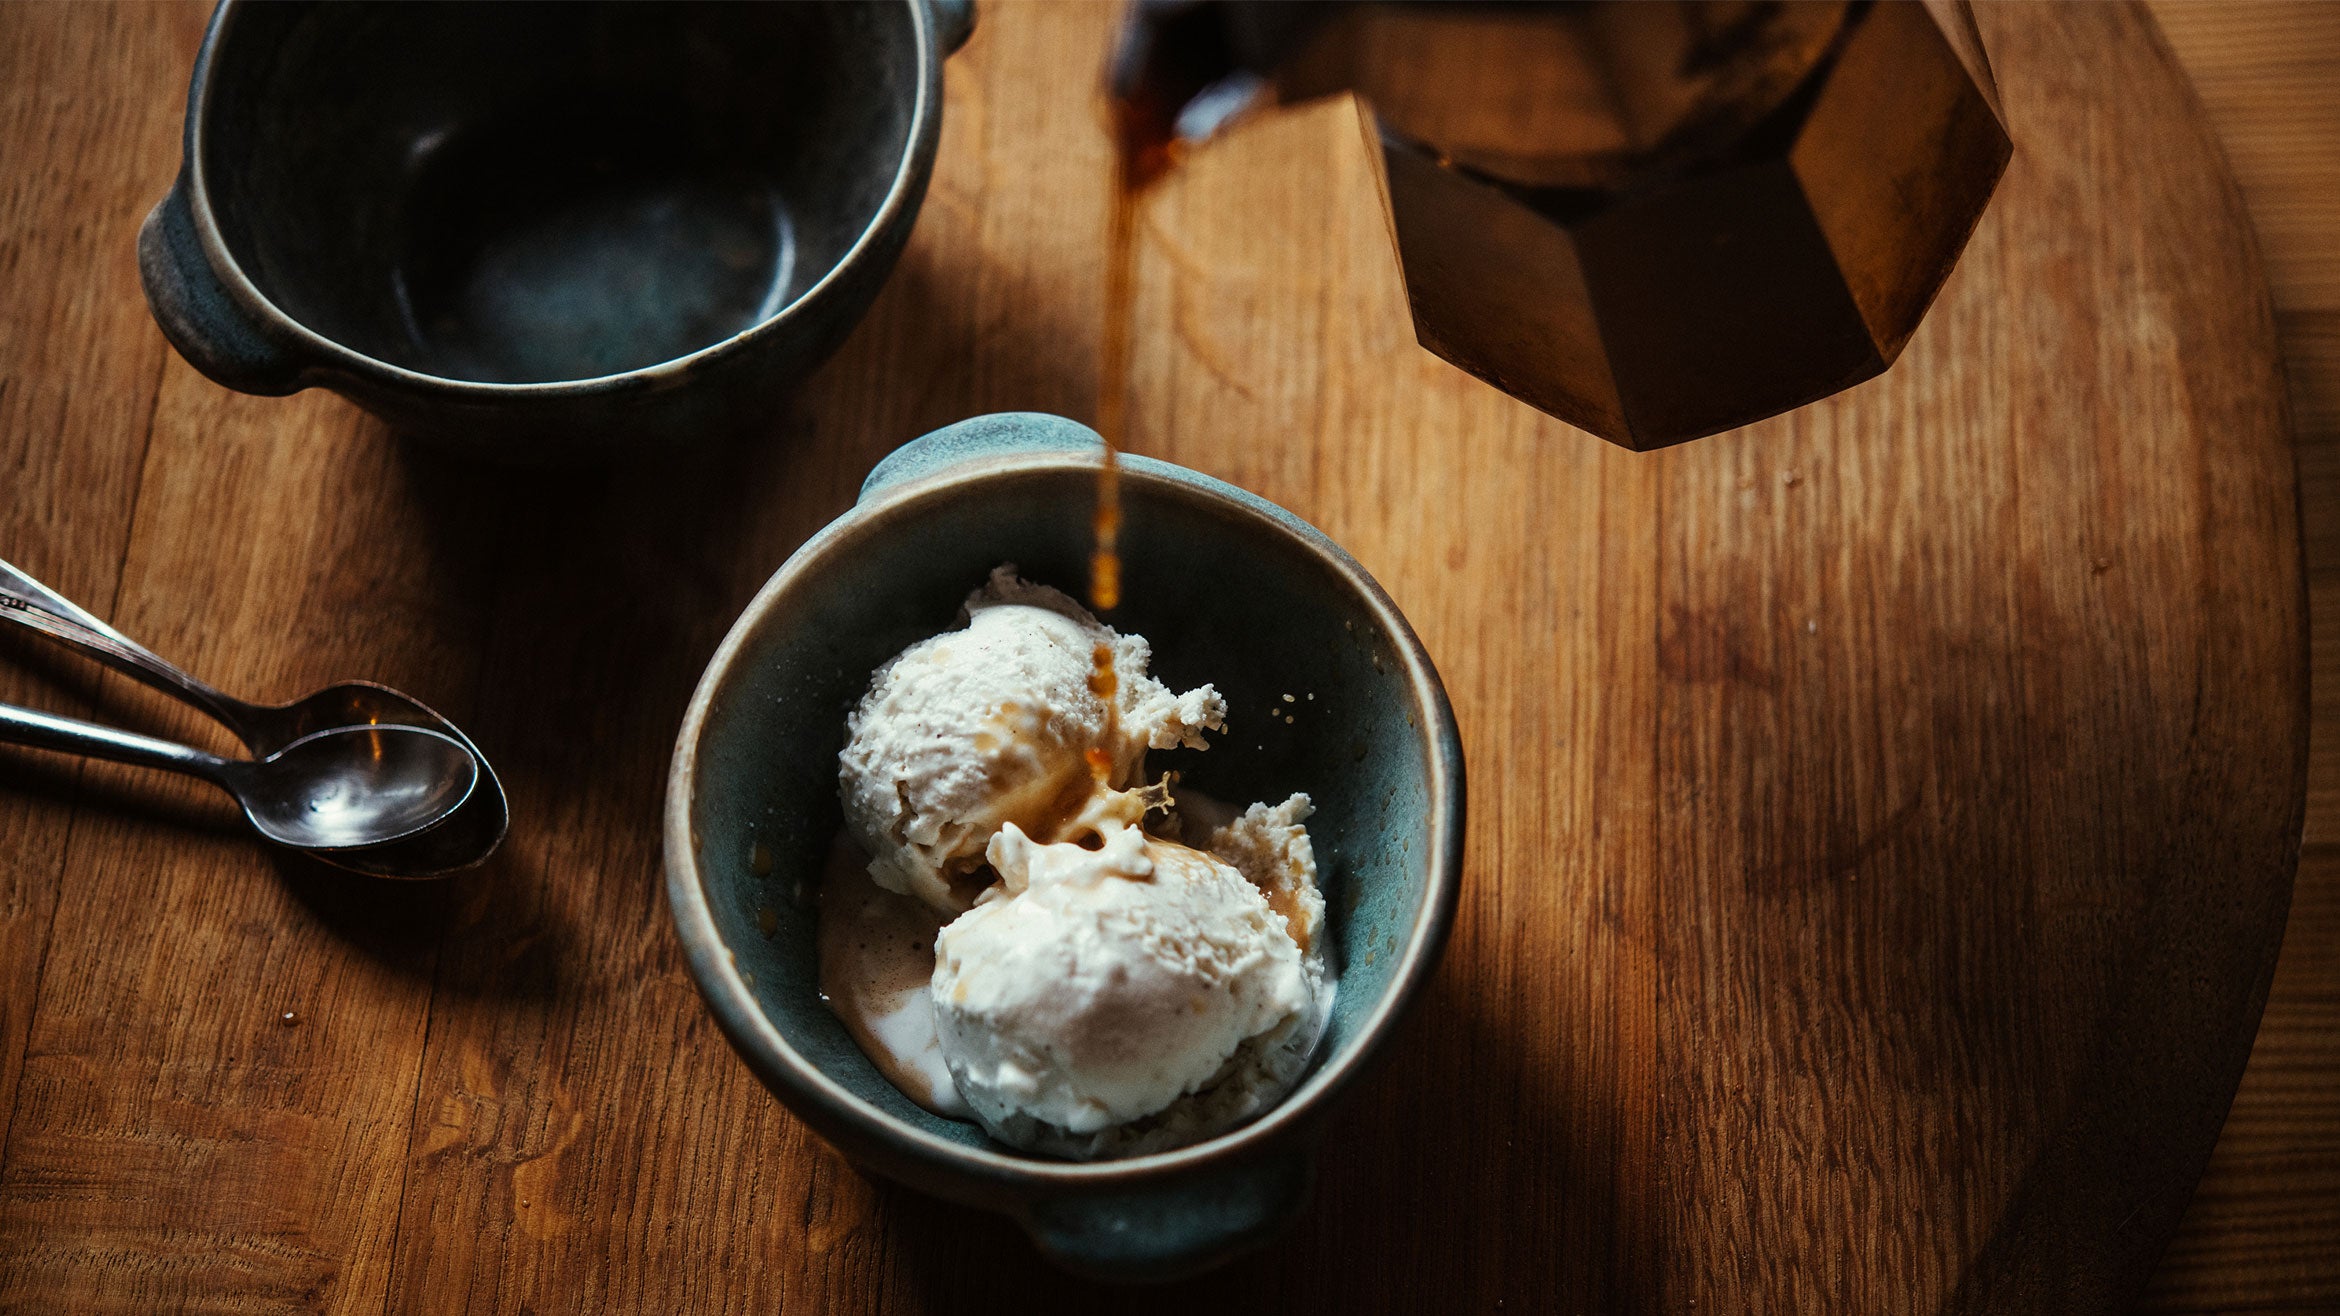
541, 232
1231, 590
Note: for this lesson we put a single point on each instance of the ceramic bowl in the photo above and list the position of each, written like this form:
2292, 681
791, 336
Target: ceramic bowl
544, 232
1231, 590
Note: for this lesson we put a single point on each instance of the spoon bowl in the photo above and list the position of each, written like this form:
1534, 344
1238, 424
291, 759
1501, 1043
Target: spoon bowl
466, 838
349, 788
341, 792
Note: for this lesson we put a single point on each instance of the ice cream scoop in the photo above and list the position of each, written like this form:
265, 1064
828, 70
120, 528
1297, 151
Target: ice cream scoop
1120, 993
992, 723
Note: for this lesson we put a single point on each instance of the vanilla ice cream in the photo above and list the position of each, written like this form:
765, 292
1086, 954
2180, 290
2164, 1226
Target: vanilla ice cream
1093, 990
991, 724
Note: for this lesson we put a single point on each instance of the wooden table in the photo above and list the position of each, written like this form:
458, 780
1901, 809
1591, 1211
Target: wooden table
2263, 1232
246, 1083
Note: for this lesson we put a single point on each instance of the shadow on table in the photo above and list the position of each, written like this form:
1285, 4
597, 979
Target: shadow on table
117, 792
399, 923
601, 593
1458, 1176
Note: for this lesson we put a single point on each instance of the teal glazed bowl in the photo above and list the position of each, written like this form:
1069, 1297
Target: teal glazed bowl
1231, 589
544, 233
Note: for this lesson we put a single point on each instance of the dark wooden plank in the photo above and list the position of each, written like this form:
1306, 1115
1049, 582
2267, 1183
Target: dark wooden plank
82, 138
2263, 70
2259, 1235
2263, 1232
220, 1072
177, 1137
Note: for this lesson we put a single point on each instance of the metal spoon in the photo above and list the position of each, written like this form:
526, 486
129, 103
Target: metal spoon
335, 791
462, 841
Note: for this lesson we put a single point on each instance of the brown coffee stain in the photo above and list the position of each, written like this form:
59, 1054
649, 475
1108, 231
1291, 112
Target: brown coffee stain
1284, 899
1701, 647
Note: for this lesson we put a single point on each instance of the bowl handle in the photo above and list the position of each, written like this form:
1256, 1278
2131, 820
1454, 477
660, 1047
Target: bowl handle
1175, 1229
195, 311
954, 22
1001, 434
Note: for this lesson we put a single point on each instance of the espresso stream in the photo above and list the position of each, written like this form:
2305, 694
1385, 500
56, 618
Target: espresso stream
877, 947
1144, 149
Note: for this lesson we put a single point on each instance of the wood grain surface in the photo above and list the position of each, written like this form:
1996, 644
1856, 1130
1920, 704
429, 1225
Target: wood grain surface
2263, 1232
1879, 819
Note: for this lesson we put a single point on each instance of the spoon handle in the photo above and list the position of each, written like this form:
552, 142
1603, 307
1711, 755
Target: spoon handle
31, 603
25, 726
15, 583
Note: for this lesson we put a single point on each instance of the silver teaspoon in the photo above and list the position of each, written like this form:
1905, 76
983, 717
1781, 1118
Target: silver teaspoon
331, 792
463, 841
